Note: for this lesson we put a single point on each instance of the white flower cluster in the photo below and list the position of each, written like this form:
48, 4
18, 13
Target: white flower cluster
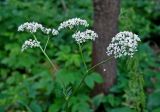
54, 32
73, 22
46, 30
30, 44
81, 37
34, 26
123, 44
30, 26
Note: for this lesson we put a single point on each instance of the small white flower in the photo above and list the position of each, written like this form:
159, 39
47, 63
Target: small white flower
30, 27
72, 23
81, 37
123, 44
30, 44
46, 30
49, 30
54, 32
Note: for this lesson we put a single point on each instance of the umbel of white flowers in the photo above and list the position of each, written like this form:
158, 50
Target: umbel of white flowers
123, 44
32, 27
30, 44
81, 37
72, 23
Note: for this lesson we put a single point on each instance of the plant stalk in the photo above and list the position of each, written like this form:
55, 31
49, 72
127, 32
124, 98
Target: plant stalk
46, 43
54, 67
80, 49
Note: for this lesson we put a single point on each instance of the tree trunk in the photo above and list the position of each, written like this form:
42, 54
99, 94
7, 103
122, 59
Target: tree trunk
106, 25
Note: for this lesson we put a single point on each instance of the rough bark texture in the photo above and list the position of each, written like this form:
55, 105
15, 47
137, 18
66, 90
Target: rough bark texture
106, 25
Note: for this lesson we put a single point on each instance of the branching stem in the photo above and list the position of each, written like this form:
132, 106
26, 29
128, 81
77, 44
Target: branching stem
54, 67
85, 75
106, 60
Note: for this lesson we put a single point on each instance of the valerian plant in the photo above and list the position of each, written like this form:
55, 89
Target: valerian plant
123, 44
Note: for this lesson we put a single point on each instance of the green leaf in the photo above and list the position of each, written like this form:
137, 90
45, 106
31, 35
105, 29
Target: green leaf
97, 100
54, 107
35, 107
110, 99
81, 107
153, 100
2, 109
89, 81
93, 78
65, 77
80, 104
122, 109
156, 110
97, 77
23, 103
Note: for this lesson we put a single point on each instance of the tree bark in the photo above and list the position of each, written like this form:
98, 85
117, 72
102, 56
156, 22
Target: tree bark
106, 14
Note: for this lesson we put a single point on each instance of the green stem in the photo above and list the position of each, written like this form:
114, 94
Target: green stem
54, 67
100, 63
46, 43
48, 59
80, 49
85, 75
81, 82
67, 109
64, 5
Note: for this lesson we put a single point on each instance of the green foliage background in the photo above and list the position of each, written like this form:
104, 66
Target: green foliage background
26, 78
